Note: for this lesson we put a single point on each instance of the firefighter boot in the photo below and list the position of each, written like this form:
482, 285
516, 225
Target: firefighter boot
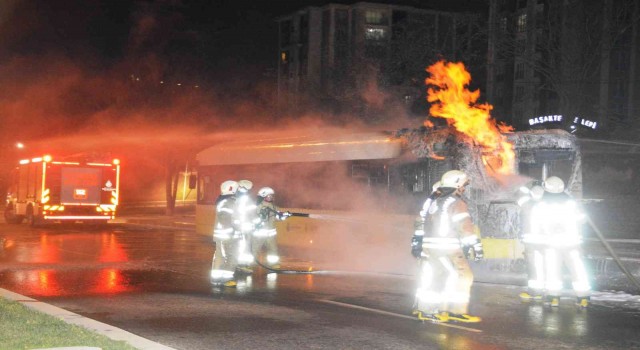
583, 302
244, 270
435, 317
231, 284
526, 296
552, 300
464, 318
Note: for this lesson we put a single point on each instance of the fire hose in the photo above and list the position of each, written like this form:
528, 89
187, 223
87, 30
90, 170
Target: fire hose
288, 271
613, 253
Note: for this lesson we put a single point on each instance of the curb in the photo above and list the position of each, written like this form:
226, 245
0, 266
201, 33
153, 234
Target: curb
79, 320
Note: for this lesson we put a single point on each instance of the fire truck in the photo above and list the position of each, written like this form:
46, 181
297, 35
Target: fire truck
70, 189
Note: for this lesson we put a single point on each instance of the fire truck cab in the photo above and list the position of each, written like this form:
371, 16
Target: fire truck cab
45, 189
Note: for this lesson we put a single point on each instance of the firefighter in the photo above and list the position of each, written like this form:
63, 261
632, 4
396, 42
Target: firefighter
533, 245
556, 218
418, 233
246, 220
449, 239
265, 234
226, 237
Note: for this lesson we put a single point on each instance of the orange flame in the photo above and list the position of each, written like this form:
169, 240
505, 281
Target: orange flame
451, 99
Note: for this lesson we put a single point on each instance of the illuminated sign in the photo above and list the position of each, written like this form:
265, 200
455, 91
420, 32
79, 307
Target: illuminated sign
585, 122
108, 186
545, 119
80, 193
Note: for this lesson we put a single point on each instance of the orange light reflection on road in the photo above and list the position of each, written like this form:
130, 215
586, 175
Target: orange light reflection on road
49, 252
59, 281
111, 250
309, 281
38, 282
110, 281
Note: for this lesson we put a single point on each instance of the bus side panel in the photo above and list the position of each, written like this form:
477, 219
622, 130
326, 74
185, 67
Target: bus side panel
381, 243
338, 240
205, 217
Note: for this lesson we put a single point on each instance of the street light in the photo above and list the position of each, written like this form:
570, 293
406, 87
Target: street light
19, 145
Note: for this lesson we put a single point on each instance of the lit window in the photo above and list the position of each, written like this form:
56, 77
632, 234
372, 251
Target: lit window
522, 23
375, 17
375, 33
284, 57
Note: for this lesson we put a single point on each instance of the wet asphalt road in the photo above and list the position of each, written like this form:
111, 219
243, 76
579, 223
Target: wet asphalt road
154, 283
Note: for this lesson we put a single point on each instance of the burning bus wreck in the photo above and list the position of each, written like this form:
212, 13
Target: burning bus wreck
363, 190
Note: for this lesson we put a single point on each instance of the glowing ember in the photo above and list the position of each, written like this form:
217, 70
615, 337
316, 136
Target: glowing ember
451, 99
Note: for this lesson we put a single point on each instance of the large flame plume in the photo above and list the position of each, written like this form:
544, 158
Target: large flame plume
451, 99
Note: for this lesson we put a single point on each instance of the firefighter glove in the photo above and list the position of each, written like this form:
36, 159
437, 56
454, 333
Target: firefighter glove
416, 246
281, 215
478, 251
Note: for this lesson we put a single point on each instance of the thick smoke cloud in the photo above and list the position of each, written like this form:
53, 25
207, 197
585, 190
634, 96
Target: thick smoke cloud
75, 82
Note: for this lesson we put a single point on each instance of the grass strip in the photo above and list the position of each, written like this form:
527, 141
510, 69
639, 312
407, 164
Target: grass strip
24, 328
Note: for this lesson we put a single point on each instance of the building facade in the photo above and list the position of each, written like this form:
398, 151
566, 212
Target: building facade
565, 63
356, 58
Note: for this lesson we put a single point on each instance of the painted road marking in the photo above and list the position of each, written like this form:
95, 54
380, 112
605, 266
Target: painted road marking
398, 315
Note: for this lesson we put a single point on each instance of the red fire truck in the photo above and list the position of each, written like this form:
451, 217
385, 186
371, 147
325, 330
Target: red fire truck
45, 189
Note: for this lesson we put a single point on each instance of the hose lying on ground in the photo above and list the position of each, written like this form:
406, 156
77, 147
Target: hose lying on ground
289, 272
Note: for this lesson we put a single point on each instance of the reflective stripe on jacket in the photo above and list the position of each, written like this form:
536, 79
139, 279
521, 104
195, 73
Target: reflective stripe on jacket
555, 222
223, 227
448, 224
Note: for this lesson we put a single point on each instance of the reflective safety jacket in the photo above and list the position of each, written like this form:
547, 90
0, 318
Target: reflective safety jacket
448, 224
268, 213
555, 221
223, 228
420, 220
245, 218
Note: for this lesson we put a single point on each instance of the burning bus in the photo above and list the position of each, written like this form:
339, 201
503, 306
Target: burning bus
72, 189
364, 190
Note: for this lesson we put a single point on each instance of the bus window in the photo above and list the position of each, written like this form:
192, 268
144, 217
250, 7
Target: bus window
369, 173
539, 164
206, 190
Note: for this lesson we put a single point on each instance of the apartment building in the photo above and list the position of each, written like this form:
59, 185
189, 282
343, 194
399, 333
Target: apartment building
565, 63
347, 58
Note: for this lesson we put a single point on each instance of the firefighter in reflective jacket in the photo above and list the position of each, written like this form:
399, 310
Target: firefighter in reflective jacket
265, 234
245, 219
555, 223
418, 234
533, 249
449, 238
225, 236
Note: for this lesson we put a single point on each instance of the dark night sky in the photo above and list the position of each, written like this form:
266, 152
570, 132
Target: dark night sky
77, 63
217, 36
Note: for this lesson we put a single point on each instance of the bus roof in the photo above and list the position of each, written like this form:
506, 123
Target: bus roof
304, 148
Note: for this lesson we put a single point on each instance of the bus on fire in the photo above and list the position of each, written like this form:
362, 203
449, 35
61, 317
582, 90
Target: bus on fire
364, 190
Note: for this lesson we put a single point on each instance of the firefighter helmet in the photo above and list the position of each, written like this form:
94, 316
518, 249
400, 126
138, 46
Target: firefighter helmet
229, 187
536, 192
265, 191
553, 184
436, 186
454, 179
245, 185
